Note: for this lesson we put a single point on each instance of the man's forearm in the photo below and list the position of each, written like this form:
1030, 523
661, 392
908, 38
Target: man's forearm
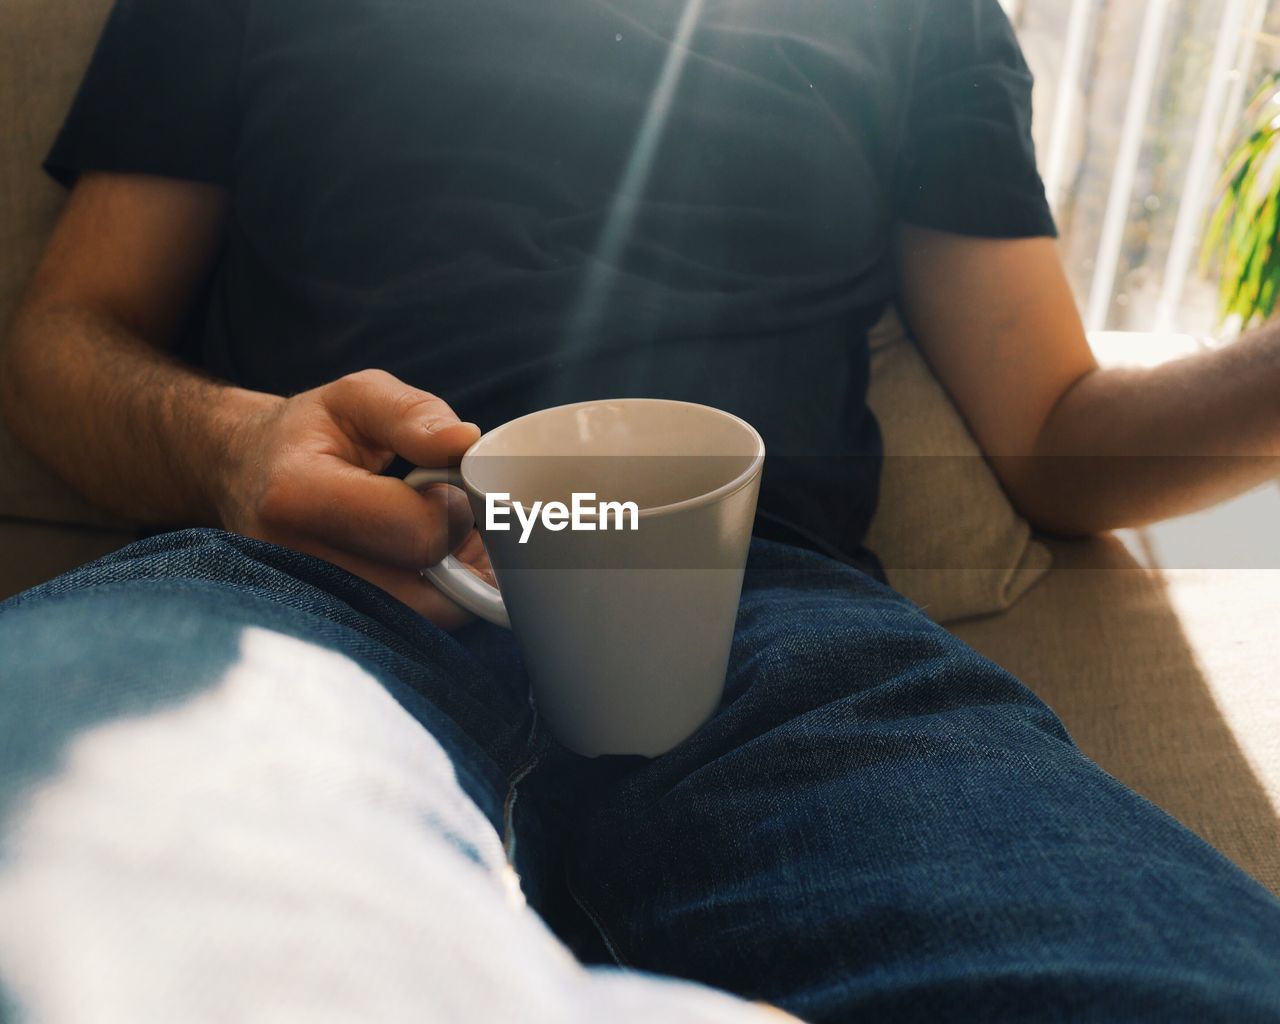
1125, 447
131, 429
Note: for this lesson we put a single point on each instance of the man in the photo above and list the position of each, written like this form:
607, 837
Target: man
508, 206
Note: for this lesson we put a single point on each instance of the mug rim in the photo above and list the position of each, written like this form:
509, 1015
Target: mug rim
726, 489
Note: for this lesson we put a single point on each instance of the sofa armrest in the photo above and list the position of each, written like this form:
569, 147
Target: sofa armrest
30, 492
31, 553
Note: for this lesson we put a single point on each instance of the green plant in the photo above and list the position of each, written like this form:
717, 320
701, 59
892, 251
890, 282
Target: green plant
1242, 231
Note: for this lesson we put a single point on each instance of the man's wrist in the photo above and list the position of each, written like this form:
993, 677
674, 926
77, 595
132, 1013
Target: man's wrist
236, 429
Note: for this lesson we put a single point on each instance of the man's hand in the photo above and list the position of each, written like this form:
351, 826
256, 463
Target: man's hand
305, 473
86, 385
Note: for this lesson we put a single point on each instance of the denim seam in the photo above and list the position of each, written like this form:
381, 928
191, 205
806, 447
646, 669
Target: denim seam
536, 744
585, 906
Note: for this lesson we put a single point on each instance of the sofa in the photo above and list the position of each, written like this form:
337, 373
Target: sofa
1162, 674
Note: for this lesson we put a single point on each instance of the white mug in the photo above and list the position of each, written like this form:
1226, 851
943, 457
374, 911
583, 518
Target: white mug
624, 614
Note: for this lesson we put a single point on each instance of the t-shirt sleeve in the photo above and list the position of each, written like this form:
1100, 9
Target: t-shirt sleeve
968, 162
160, 95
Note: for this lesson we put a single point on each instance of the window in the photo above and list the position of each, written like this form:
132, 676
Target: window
1138, 103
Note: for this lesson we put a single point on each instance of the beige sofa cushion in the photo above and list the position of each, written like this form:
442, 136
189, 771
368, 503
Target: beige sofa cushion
945, 531
44, 48
1165, 679
31, 553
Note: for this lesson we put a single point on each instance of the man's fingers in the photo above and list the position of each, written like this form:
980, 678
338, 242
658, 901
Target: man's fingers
377, 517
406, 586
388, 414
326, 490
472, 554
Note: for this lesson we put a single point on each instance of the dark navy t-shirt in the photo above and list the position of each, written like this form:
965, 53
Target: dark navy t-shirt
520, 203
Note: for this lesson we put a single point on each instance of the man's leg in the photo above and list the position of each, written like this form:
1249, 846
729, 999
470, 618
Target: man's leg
882, 825
238, 784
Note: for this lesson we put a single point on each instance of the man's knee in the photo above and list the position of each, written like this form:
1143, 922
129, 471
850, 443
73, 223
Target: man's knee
868, 659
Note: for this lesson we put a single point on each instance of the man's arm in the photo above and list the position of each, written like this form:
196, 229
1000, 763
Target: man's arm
84, 380
86, 384
1081, 449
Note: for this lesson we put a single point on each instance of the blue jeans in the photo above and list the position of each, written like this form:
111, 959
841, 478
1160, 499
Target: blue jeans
878, 823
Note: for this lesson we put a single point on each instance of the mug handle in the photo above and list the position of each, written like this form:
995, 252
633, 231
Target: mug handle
450, 576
